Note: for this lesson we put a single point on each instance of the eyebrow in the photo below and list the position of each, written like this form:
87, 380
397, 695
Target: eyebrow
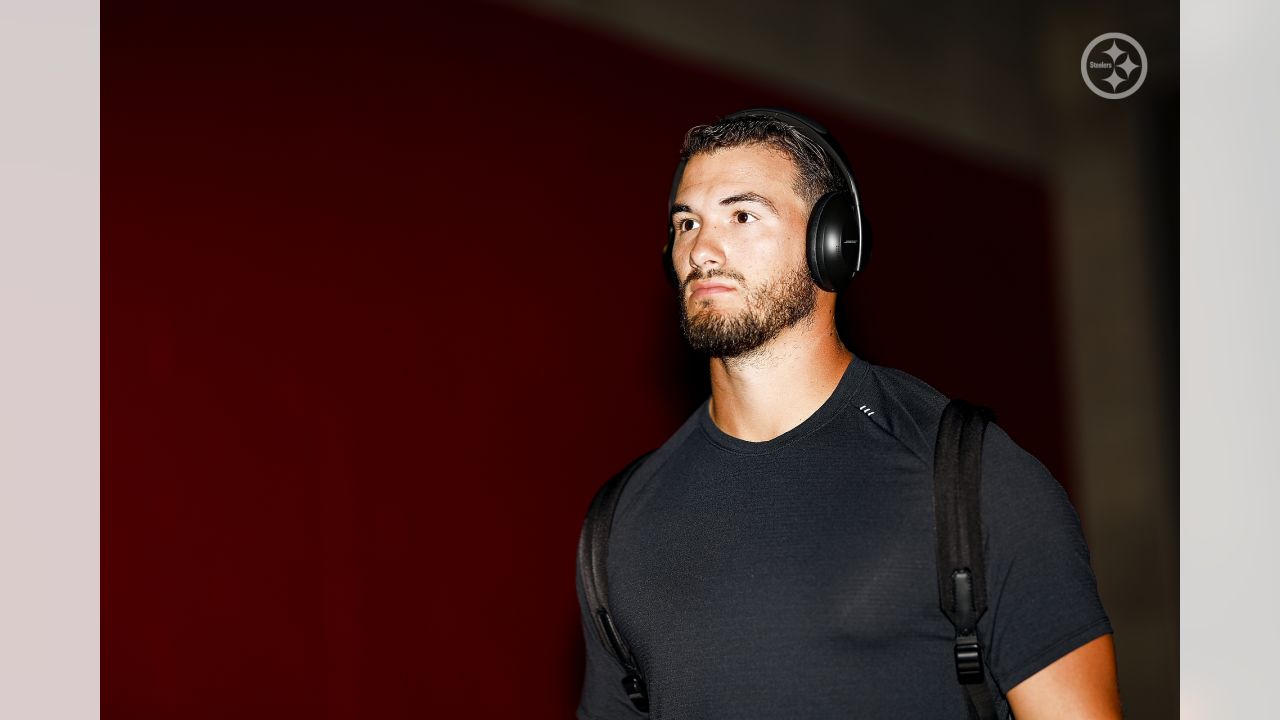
739, 198
750, 197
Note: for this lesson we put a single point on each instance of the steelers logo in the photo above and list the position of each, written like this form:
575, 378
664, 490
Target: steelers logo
1114, 66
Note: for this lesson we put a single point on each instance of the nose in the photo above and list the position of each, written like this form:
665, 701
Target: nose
707, 252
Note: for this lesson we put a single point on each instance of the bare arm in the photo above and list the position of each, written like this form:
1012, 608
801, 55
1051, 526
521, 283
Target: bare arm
1080, 684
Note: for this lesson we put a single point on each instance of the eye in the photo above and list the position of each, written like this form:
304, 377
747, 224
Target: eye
742, 216
686, 224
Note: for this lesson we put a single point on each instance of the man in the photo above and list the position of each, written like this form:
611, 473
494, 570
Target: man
775, 558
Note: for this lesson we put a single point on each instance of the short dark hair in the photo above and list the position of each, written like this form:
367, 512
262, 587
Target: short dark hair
816, 172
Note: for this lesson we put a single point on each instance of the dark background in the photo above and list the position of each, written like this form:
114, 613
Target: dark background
383, 306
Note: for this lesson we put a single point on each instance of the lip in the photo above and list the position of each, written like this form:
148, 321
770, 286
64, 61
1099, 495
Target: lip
704, 289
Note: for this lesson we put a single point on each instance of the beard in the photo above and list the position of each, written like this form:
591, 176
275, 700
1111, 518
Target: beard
770, 309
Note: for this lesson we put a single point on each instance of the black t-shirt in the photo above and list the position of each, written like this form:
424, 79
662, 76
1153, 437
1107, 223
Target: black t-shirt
796, 577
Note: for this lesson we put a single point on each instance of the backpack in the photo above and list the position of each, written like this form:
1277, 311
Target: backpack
962, 592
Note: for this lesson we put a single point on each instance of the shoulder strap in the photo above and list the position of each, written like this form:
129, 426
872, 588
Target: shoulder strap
962, 588
593, 554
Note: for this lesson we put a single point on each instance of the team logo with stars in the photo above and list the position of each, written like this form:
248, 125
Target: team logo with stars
1114, 66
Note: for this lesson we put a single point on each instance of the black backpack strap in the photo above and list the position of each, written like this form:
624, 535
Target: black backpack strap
593, 554
962, 588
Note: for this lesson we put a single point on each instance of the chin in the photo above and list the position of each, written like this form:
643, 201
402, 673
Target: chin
706, 310
713, 302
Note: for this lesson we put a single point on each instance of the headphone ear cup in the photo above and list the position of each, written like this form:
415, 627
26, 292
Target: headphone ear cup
831, 219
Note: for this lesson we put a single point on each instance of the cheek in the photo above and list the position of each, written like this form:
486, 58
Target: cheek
681, 247
772, 255
680, 260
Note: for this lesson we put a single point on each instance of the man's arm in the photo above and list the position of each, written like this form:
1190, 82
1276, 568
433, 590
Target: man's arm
1080, 684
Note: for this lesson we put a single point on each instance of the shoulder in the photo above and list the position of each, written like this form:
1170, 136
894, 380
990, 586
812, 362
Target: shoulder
648, 464
910, 410
1021, 498
904, 406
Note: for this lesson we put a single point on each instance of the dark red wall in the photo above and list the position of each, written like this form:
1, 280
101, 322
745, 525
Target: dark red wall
382, 306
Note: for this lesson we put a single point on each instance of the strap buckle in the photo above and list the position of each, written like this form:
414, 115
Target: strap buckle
636, 692
969, 660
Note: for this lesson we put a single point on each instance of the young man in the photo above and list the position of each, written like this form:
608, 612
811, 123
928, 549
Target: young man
775, 558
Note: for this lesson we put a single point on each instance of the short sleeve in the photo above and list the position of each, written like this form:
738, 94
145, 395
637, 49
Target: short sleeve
602, 695
1042, 596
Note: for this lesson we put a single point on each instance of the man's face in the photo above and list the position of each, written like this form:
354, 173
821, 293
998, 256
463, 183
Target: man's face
739, 250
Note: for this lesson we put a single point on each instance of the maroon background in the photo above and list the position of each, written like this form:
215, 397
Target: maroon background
383, 306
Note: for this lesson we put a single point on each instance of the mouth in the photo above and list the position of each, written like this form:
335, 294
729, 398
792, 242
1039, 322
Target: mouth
708, 289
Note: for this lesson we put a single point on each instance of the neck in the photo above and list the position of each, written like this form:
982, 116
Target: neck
774, 388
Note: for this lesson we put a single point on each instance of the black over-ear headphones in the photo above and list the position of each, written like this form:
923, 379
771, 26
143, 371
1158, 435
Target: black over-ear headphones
839, 237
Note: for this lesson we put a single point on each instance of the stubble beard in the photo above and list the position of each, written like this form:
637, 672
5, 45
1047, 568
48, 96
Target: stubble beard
769, 309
